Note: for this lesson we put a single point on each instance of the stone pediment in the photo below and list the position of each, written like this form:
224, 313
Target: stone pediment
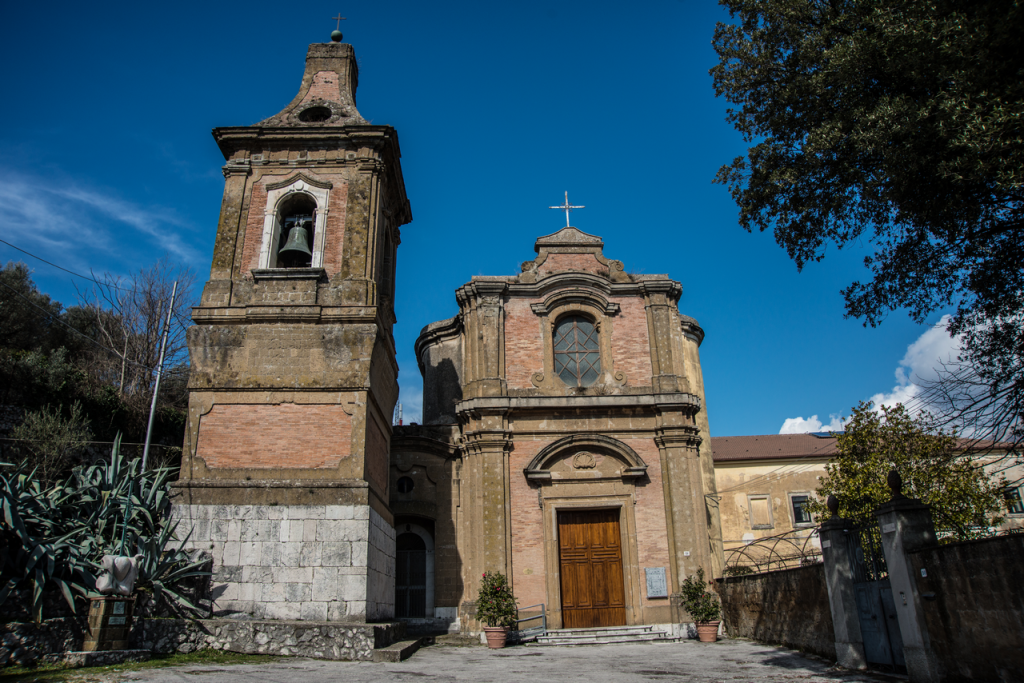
571, 250
585, 456
567, 237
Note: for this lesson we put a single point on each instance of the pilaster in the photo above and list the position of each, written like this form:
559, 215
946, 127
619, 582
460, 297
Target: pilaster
906, 525
485, 471
482, 303
842, 600
660, 300
682, 484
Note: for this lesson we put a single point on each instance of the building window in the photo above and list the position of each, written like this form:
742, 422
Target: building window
577, 354
800, 513
1014, 505
760, 512
405, 485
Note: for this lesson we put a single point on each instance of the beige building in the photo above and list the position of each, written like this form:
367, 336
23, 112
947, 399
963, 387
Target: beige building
763, 481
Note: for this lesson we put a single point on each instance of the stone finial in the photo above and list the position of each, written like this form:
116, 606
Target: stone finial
895, 482
833, 505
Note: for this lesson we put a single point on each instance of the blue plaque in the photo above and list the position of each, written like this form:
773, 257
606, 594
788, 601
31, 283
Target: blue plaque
657, 586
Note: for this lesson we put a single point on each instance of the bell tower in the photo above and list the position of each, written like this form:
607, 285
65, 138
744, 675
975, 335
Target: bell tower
285, 467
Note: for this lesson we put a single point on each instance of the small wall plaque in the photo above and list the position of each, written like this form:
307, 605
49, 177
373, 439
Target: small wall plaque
116, 621
888, 528
119, 607
657, 586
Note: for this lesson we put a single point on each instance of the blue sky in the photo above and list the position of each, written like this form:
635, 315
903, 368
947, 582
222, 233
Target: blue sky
107, 163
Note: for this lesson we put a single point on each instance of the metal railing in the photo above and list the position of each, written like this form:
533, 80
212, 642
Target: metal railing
521, 634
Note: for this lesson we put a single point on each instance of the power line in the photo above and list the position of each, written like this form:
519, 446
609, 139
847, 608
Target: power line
61, 322
84, 277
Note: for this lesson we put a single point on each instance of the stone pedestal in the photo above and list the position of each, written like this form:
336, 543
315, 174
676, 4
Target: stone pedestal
110, 622
906, 525
841, 597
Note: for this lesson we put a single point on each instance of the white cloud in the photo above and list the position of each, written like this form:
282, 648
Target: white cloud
798, 425
919, 363
66, 223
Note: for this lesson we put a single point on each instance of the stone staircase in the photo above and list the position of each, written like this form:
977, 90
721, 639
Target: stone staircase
601, 636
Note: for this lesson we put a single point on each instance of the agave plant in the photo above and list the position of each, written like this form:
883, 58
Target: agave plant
57, 537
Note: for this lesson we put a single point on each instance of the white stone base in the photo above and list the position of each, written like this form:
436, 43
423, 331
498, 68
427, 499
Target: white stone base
305, 562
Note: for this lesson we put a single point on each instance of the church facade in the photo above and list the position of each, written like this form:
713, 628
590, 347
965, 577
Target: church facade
565, 443
565, 438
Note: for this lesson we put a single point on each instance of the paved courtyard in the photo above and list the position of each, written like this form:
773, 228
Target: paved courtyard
727, 660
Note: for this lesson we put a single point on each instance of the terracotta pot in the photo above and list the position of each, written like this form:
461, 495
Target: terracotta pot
708, 631
496, 636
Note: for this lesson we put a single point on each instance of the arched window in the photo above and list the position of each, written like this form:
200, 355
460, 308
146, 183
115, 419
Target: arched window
296, 216
577, 352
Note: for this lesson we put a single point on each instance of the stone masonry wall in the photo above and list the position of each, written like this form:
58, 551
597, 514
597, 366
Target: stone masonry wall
307, 562
973, 599
788, 607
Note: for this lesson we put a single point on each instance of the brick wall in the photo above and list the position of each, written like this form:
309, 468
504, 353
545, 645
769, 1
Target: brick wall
587, 263
788, 607
974, 607
524, 347
651, 527
272, 436
324, 87
529, 579
631, 346
253, 238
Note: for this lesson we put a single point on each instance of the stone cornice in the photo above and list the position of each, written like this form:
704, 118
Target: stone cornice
678, 437
686, 402
234, 315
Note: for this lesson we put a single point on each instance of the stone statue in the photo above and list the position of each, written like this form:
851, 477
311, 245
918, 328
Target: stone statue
120, 576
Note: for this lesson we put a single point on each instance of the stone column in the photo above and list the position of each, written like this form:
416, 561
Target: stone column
842, 600
660, 298
906, 525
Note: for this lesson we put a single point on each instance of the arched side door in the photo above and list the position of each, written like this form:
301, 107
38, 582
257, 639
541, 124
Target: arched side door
411, 577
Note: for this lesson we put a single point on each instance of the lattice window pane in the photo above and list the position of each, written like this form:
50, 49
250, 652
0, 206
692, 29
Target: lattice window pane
577, 355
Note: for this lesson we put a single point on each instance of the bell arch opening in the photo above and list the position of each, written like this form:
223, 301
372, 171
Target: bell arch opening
296, 216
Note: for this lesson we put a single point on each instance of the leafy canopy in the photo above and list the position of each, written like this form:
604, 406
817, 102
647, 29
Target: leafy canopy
964, 500
900, 125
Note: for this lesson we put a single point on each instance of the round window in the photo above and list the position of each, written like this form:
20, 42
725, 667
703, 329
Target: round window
315, 115
404, 485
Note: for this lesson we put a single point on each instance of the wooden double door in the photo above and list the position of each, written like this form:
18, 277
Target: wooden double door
590, 560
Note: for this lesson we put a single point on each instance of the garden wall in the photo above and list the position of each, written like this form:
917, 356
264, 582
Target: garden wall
973, 602
787, 607
25, 644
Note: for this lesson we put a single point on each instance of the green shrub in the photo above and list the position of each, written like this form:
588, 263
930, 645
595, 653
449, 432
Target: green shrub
701, 603
495, 605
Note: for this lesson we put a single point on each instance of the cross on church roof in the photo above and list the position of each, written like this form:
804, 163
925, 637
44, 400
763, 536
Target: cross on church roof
339, 19
567, 207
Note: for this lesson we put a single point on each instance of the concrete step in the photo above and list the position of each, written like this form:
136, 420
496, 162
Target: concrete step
456, 640
600, 636
397, 652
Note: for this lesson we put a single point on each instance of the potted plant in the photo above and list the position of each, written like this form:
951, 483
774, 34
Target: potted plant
702, 605
496, 608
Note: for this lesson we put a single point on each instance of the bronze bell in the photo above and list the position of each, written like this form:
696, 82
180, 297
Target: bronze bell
298, 241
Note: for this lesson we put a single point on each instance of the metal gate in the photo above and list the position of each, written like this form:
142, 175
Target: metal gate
876, 611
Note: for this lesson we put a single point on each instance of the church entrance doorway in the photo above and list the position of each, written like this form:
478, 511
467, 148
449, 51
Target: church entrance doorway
590, 564
410, 577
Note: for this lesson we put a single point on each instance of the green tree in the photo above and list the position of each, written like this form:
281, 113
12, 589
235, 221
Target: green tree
964, 500
26, 314
899, 125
